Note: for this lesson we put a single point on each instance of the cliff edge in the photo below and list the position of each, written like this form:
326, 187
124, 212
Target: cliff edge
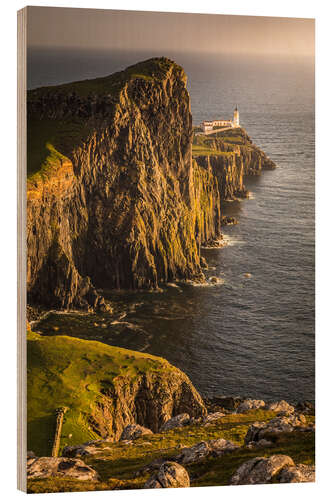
114, 200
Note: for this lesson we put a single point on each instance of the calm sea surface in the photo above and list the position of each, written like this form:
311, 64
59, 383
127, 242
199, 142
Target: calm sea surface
247, 336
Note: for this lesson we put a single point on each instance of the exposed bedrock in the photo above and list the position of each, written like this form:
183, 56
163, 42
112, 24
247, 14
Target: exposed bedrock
120, 203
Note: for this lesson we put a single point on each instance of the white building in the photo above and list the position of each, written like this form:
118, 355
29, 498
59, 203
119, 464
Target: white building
209, 125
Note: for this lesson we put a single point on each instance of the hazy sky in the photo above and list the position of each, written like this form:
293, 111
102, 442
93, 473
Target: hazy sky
130, 30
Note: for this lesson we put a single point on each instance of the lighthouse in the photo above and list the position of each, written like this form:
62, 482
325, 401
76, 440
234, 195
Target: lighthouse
235, 122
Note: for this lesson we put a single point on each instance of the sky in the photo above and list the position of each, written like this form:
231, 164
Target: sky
132, 30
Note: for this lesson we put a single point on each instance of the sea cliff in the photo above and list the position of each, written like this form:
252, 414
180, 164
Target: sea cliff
114, 200
117, 196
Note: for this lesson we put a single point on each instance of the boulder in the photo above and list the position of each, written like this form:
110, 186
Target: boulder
45, 467
305, 407
212, 417
174, 422
134, 431
265, 430
299, 474
281, 407
260, 470
250, 404
169, 475
204, 449
262, 443
203, 263
82, 450
225, 402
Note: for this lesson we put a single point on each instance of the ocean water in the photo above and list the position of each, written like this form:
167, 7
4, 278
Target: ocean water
250, 336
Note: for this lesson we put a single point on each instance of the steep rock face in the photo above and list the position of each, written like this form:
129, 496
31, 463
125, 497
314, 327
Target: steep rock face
119, 204
230, 156
229, 172
103, 388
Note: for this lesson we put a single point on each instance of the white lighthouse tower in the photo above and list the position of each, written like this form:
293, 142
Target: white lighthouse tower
235, 122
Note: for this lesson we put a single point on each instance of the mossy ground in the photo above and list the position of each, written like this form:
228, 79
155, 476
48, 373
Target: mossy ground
118, 463
205, 146
66, 371
48, 142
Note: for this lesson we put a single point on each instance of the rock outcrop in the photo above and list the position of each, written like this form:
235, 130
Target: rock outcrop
281, 407
134, 431
114, 200
169, 475
250, 404
45, 467
174, 422
230, 156
205, 449
265, 430
105, 388
275, 469
260, 470
301, 473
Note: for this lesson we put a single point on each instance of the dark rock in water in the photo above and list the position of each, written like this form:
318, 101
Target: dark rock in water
44, 467
169, 475
203, 263
260, 470
229, 221
134, 431
306, 407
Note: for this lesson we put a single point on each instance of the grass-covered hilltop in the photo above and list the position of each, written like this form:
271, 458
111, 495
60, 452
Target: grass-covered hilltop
122, 194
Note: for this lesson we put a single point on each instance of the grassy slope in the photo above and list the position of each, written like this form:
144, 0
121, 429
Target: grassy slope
204, 146
118, 463
65, 371
50, 139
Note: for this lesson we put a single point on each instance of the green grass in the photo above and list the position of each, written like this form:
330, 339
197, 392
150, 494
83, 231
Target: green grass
48, 143
205, 146
202, 151
118, 463
65, 371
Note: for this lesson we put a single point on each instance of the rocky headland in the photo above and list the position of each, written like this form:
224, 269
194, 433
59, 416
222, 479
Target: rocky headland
122, 195
116, 196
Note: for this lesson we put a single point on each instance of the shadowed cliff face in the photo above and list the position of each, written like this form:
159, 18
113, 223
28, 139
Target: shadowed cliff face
113, 198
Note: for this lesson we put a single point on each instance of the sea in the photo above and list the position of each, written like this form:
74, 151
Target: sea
251, 332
